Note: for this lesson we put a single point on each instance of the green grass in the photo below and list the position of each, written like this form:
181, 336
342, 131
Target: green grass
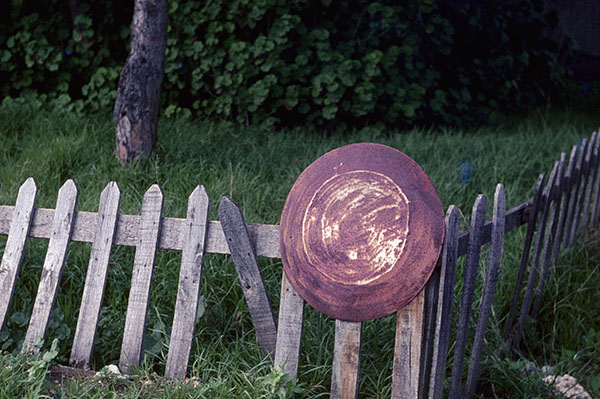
257, 168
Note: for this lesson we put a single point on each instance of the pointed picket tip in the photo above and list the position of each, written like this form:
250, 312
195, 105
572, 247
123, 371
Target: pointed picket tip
480, 202
112, 188
226, 204
154, 191
499, 195
199, 194
69, 187
452, 214
29, 186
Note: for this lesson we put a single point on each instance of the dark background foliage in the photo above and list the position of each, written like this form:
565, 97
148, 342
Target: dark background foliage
276, 62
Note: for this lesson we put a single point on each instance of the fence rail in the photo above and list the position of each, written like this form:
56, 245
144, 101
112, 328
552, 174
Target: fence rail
563, 206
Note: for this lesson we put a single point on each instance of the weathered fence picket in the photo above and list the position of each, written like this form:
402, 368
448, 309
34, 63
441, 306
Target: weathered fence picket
21, 218
491, 279
444, 305
470, 276
346, 359
290, 326
95, 279
407, 349
537, 199
53, 266
249, 275
188, 291
557, 216
141, 279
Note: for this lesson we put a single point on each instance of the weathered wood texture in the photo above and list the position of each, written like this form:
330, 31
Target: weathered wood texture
19, 223
289, 329
95, 280
537, 199
264, 237
470, 276
489, 288
53, 266
346, 359
408, 349
249, 275
141, 279
444, 305
534, 268
188, 290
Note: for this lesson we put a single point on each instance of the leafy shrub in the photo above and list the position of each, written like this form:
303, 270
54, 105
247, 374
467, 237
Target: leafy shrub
300, 61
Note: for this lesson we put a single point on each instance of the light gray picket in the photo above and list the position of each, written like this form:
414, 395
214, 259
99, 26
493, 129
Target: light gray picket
248, 271
407, 349
53, 266
576, 195
141, 279
533, 270
444, 305
346, 360
188, 290
15, 244
95, 280
470, 276
289, 328
535, 208
489, 288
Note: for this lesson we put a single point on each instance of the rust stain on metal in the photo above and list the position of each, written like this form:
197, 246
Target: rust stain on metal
355, 227
361, 231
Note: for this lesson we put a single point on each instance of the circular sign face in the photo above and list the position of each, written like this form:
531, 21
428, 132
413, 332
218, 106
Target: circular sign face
361, 231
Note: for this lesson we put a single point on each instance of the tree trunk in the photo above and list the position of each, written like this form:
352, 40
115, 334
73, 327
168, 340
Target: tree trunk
138, 96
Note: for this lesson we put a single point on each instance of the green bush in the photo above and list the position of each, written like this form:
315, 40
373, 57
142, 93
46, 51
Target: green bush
302, 61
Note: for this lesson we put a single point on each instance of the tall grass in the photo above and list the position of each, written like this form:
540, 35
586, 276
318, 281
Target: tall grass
257, 168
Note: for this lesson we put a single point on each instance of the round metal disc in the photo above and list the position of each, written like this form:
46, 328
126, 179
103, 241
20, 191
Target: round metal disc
361, 232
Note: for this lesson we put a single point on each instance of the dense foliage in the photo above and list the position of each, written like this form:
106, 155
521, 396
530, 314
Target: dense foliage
276, 61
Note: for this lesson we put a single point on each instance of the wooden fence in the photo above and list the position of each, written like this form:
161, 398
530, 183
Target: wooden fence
557, 216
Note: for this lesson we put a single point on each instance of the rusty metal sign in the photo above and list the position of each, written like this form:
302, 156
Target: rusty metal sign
361, 231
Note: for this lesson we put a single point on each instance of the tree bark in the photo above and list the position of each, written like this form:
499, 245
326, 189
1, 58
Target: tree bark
138, 95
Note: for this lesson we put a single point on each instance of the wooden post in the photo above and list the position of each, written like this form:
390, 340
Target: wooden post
20, 224
444, 305
188, 291
489, 287
141, 279
346, 360
408, 349
289, 330
472, 263
248, 271
53, 266
95, 280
